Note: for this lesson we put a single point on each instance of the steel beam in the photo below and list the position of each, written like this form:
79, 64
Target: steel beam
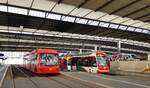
121, 8
30, 7
141, 16
85, 1
108, 2
136, 11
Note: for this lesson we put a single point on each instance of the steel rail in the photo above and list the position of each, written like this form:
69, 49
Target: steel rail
35, 84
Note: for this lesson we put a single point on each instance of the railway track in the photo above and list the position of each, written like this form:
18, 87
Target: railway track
46, 81
23, 74
62, 79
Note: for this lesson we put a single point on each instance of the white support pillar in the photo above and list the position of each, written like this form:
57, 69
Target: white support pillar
149, 57
95, 48
119, 46
80, 51
99, 48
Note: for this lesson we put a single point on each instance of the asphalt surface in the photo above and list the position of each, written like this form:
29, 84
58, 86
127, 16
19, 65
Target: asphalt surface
112, 81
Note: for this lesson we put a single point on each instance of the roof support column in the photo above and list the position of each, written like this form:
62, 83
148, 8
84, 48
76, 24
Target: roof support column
80, 51
119, 46
95, 48
99, 48
149, 57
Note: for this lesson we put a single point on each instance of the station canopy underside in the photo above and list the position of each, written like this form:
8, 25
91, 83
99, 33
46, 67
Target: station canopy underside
101, 22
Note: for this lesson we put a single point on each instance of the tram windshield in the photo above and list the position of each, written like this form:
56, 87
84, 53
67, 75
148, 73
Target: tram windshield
49, 59
102, 60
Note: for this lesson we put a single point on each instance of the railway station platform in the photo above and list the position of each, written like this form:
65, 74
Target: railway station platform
22, 78
111, 81
74, 43
18, 77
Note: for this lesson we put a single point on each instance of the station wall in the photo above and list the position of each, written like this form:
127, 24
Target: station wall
130, 66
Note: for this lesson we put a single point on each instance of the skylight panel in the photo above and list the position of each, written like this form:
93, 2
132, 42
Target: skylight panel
138, 30
80, 20
91, 22
104, 24
122, 27
17, 10
115, 26
145, 31
54, 16
68, 18
3, 8
131, 28
36, 13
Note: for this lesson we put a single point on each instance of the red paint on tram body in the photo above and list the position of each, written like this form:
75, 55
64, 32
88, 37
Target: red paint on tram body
42, 61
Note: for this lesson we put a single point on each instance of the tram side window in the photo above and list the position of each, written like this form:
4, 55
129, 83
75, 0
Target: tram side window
34, 58
94, 64
87, 62
28, 61
82, 62
33, 62
79, 63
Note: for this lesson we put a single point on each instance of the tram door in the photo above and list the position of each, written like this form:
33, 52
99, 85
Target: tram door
93, 65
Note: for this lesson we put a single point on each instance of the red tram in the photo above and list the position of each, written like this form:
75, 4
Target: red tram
42, 61
103, 63
94, 62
